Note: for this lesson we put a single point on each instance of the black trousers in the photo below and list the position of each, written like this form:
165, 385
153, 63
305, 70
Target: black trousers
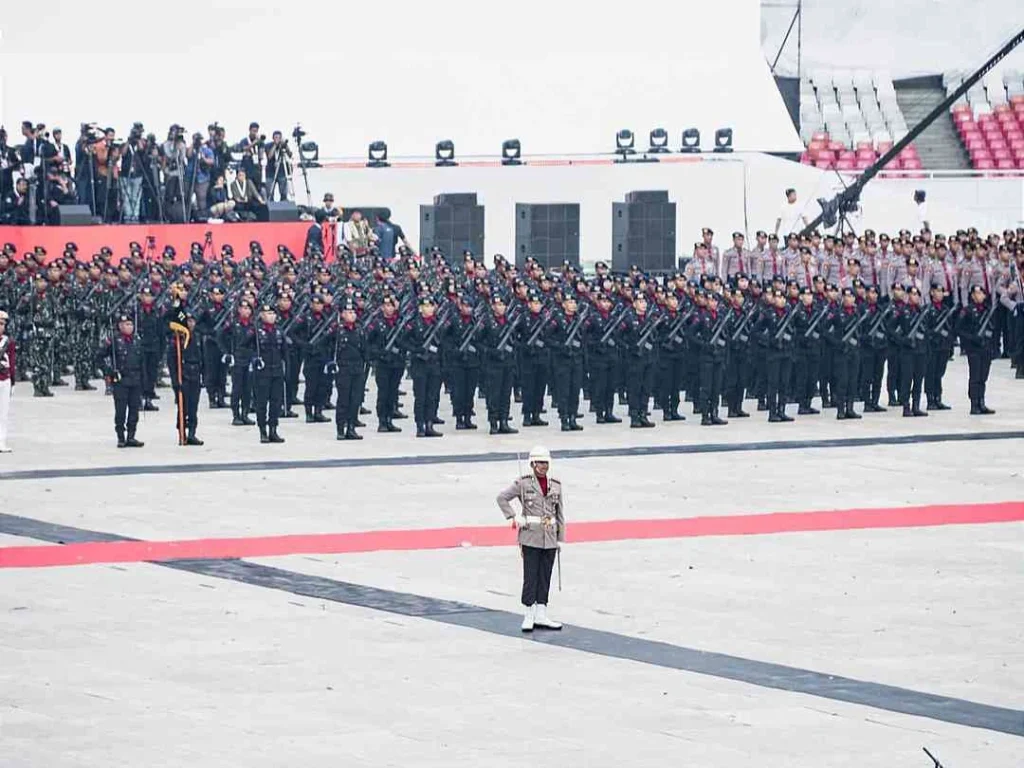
214, 371
537, 566
935, 369
349, 382
269, 397
317, 383
241, 388
533, 371
462, 380
498, 386
806, 366
567, 376
127, 399
670, 381
150, 369
190, 394
387, 378
892, 377
691, 375
826, 377
978, 366
712, 374
292, 364
912, 369
845, 365
872, 366
639, 376
778, 366
426, 390
602, 392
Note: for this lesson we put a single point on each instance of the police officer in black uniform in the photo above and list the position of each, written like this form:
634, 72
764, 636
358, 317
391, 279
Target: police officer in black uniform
237, 342
422, 339
121, 361
268, 374
348, 361
977, 331
463, 359
190, 383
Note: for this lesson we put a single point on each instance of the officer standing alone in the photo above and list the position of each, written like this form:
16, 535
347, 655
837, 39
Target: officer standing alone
541, 525
121, 361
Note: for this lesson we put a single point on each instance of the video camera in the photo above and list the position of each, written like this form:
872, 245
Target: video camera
298, 133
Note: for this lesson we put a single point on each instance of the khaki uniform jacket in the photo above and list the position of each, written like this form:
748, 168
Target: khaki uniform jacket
545, 515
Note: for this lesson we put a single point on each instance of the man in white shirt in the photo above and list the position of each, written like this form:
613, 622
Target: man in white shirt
791, 217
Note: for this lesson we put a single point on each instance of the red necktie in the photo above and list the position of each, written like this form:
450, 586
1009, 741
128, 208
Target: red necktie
945, 270
740, 254
807, 273
984, 275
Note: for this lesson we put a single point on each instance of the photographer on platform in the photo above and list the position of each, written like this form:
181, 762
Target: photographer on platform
198, 176
221, 204
173, 158
133, 171
61, 151
85, 164
251, 148
108, 170
279, 165
60, 190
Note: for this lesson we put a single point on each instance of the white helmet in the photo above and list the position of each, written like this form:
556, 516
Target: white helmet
540, 453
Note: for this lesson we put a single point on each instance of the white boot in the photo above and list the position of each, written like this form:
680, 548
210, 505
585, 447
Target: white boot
541, 618
528, 618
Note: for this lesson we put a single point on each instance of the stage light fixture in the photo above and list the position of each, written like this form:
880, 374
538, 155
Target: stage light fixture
309, 154
377, 155
691, 140
723, 140
511, 152
444, 153
659, 142
624, 141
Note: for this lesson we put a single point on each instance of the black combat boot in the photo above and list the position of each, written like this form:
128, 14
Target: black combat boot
421, 430
565, 424
504, 428
762, 404
274, 437
351, 434
120, 439
192, 439
611, 418
429, 431
984, 409
237, 421
635, 421
852, 414
131, 442
264, 437
318, 416
706, 420
574, 425
147, 405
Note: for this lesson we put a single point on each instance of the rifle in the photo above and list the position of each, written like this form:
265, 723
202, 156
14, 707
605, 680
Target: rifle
467, 337
535, 336
716, 337
502, 345
873, 331
570, 338
914, 334
393, 338
809, 333
742, 327
940, 324
848, 336
781, 335
673, 333
439, 322
613, 323
643, 341
983, 331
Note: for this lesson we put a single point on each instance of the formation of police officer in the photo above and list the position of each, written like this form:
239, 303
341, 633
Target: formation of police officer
842, 319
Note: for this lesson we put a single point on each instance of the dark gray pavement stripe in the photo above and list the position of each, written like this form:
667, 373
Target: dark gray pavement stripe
481, 458
666, 655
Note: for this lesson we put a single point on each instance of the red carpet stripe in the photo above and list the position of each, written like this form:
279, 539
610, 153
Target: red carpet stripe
497, 536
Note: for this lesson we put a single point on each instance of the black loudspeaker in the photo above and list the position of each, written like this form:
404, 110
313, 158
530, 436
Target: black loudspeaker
644, 234
282, 211
457, 199
649, 196
74, 215
453, 229
549, 232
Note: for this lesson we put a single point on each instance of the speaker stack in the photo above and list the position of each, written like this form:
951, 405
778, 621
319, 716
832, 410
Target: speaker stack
454, 223
281, 211
549, 232
644, 232
74, 215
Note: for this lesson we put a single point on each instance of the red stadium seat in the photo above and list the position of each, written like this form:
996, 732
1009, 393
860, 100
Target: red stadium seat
990, 127
1007, 116
1017, 143
1001, 109
826, 155
1006, 165
836, 146
848, 154
866, 154
962, 118
1013, 133
959, 109
883, 147
910, 164
984, 164
1017, 100
1001, 153
845, 165
986, 117
805, 157
821, 137
862, 145
996, 142
863, 163
970, 131
975, 142
909, 151
825, 164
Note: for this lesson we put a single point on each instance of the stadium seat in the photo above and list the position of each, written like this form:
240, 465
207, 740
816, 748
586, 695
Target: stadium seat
984, 164
824, 164
845, 165
1006, 165
863, 164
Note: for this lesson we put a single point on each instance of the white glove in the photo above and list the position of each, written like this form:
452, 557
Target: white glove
519, 520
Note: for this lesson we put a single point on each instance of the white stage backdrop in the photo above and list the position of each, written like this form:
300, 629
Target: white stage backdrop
562, 77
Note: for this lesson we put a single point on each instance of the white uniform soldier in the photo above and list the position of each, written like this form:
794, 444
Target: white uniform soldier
541, 525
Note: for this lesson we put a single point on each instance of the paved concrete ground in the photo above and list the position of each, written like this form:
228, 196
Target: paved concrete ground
122, 665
